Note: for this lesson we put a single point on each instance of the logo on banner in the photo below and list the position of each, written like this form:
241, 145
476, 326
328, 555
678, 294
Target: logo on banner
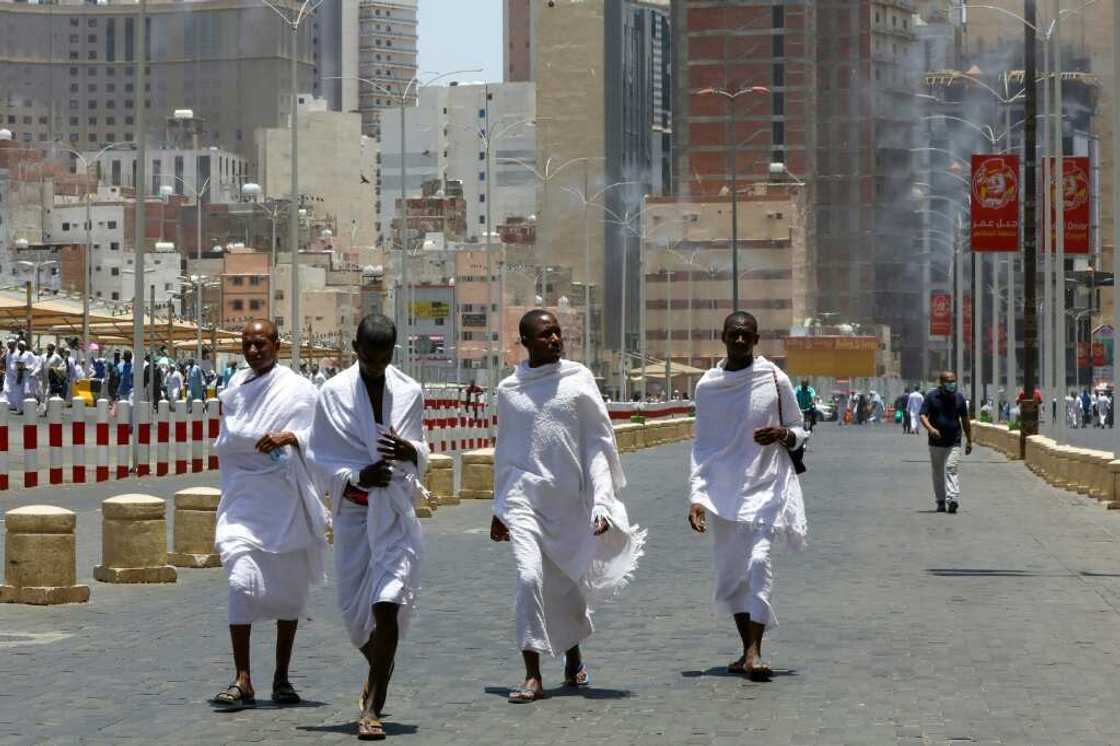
940, 315
995, 203
994, 184
1077, 188
1077, 192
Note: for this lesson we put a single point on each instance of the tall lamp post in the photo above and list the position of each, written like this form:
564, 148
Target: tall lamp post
402, 97
733, 97
141, 215
271, 208
87, 260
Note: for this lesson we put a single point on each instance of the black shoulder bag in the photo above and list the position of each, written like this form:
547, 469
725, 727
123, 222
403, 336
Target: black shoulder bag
797, 455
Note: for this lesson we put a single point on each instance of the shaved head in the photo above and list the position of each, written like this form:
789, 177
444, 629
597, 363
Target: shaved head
741, 316
261, 326
376, 332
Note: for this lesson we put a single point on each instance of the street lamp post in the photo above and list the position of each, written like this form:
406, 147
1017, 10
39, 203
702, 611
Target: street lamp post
252, 192
404, 310
141, 217
733, 97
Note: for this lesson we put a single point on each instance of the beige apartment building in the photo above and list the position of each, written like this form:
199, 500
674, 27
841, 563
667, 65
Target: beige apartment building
688, 271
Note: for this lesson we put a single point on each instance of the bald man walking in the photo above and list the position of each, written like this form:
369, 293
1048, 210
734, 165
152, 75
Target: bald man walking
272, 524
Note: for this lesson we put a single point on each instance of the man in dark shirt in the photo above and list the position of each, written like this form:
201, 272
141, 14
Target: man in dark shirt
944, 416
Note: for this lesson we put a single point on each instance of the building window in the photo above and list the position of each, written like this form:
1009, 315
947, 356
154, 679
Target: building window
254, 305
115, 271
238, 281
254, 281
114, 246
112, 224
482, 220
238, 305
482, 176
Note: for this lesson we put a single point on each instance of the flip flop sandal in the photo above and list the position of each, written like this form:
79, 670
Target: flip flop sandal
284, 694
370, 729
524, 695
760, 672
738, 666
234, 698
582, 677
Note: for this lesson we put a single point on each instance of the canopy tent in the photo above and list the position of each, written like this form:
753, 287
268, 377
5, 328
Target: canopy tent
656, 370
47, 316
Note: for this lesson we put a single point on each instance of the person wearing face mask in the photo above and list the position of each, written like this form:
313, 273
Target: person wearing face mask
368, 444
945, 416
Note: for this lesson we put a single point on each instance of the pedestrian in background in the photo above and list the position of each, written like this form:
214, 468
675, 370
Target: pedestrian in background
914, 408
945, 416
900, 410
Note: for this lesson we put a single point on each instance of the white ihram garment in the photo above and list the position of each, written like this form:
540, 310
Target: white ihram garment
272, 525
751, 491
914, 409
557, 469
378, 548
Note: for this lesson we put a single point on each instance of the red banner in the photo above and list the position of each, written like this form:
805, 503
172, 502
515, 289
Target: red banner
1082, 354
1100, 355
1077, 198
940, 314
995, 203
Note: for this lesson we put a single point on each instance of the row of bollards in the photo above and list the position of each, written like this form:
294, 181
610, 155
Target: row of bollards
40, 561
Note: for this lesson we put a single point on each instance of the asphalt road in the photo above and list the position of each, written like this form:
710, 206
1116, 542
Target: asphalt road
997, 625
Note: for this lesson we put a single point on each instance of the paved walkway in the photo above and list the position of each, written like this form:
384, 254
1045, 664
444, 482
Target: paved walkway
998, 625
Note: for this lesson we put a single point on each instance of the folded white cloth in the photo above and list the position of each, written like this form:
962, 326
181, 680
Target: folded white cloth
379, 548
269, 502
556, 465
733, 476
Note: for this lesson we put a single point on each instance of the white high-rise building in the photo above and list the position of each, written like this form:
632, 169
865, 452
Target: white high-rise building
443, 139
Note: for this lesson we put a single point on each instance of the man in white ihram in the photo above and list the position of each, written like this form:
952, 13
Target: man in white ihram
914, 408
368, 444
747, 421
272, 524
557, 478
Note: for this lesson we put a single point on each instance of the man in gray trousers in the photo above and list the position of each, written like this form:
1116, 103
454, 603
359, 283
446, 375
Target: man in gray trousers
944, 416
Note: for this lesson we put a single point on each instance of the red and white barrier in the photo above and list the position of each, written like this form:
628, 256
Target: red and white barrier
4, 446
30, 443
181, 442
213, 427
143, 439
102, 473
196, 435
54, 439
124, 410
78, 440
163, 437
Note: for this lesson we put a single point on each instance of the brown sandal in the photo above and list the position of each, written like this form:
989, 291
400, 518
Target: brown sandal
760, 672
738, 667
370, 729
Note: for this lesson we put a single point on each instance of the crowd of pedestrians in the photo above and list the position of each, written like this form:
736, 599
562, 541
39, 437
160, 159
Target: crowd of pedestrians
55, 371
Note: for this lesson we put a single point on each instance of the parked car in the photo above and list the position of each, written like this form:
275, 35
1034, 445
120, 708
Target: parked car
826, 412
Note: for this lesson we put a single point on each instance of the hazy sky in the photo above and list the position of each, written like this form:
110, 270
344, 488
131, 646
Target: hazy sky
462, 35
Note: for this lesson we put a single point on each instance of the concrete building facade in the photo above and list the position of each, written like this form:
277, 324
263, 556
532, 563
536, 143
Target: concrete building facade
688, 278
837, 109
387, 55
338, 167
518, 30
609, 143
69, 71
444, 142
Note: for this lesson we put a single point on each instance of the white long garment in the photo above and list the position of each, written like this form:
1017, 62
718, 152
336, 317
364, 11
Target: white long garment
556, 469
914, 408
378, 548
10, 375
734, 477
269, 506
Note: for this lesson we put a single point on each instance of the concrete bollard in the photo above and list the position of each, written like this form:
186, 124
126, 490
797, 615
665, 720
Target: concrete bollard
39, 559
1101, 488
440, 479
192, 536
134, 541
1082, 470
641, 435
478, 475
625, 436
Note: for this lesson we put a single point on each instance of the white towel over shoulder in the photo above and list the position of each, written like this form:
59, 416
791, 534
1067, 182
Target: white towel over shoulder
268, 505
557, 467
344, 441
734, 477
